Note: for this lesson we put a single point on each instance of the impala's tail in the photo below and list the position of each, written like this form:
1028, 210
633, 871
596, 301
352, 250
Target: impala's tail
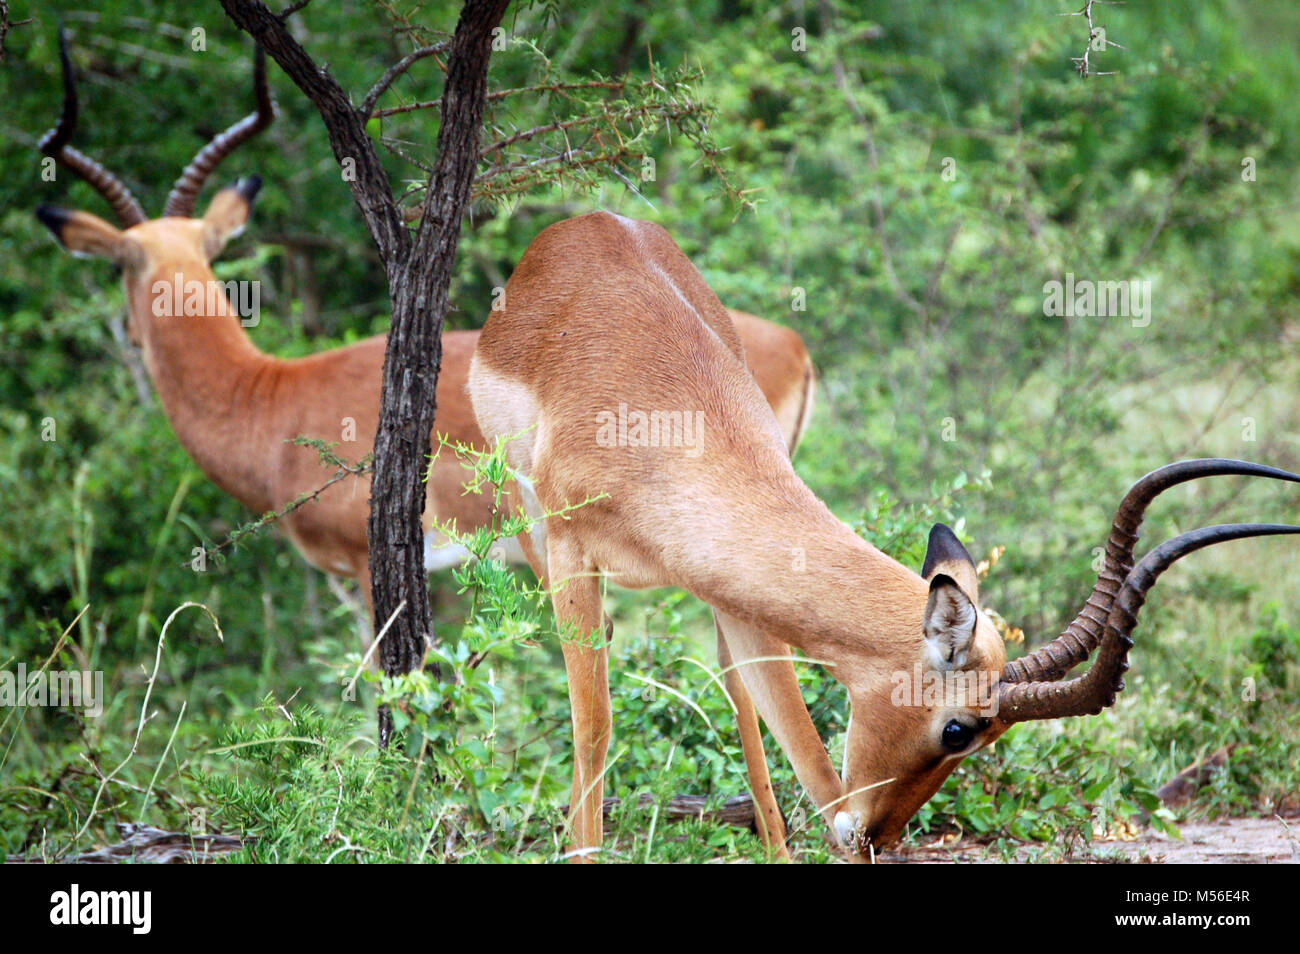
805, 403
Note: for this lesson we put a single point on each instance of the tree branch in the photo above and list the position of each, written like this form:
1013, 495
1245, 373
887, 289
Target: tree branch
7, 23
346, 126
394, 71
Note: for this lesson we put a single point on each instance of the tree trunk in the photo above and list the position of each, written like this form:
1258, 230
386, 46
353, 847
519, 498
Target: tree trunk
419, 276
419, 290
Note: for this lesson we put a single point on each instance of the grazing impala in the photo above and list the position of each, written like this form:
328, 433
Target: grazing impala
604, 312
237, 410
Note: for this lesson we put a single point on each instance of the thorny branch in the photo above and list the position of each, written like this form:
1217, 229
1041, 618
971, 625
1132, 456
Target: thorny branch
609, 134
617, 85
397, 69
1096, 35
7, 24
344, 468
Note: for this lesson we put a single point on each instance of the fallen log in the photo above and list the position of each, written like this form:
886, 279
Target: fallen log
144, 844
1180, 789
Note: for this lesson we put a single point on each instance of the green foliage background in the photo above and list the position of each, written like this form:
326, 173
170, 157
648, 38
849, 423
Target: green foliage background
923, 308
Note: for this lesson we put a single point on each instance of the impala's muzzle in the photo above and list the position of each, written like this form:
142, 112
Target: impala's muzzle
857, 836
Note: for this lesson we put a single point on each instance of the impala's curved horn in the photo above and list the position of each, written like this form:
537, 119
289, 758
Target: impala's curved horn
1096, 689
1053, 660
180, 201
55, 144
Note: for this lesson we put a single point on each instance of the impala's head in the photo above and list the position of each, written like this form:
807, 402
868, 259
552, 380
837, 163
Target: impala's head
928, 704
176, 243
909, 730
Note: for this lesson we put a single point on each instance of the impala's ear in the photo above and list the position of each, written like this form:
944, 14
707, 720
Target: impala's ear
950, 614
88, 235
945, 554
228, 214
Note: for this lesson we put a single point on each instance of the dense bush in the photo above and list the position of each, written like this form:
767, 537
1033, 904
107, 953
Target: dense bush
916, 180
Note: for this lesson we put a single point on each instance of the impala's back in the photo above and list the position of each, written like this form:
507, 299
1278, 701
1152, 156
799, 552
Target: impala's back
640, 372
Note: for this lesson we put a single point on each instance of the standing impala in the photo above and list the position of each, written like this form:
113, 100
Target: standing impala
604, 312
237, 410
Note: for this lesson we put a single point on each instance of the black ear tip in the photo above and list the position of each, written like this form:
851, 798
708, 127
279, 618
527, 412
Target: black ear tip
248, 187
52, 217
942, 547
941, 531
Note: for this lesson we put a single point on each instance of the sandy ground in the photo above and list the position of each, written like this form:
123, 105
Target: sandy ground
1256, 841
1237, 841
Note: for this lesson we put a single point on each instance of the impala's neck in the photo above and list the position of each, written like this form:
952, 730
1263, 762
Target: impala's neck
780, 560
214, 384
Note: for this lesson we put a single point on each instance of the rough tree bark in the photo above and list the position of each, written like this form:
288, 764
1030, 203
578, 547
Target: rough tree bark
418, 271
414, 354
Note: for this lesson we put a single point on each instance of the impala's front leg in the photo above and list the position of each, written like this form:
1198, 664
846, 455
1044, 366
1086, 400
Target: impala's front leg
775, 691
767, 813
578, 613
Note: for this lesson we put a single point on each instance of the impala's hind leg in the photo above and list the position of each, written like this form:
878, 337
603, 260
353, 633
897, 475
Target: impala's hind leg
767, 813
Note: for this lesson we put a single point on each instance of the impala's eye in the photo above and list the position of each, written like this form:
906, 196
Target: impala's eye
957, 735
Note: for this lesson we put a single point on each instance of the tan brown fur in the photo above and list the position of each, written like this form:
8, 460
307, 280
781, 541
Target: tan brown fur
604, 310
236, 410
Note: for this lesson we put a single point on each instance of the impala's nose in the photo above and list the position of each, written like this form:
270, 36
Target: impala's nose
858, 836
846, 828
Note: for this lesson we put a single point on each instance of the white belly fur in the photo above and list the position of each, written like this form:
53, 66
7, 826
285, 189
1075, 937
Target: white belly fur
439, 554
